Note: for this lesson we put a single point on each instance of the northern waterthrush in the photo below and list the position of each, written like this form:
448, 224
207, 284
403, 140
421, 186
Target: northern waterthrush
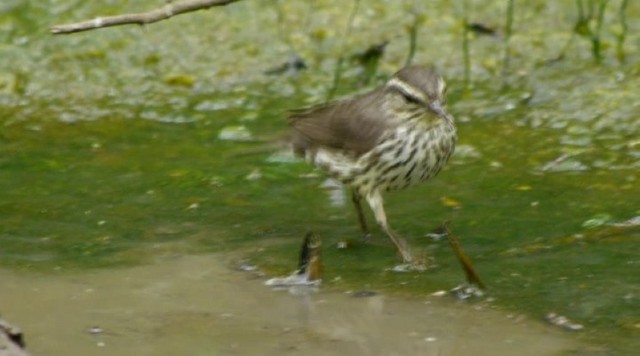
393, 137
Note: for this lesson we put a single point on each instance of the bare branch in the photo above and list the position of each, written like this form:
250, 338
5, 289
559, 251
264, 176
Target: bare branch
142, 18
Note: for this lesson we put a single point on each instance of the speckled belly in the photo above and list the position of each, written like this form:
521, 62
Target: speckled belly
405, 158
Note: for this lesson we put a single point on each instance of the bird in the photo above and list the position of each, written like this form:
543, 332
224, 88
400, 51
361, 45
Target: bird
389, 138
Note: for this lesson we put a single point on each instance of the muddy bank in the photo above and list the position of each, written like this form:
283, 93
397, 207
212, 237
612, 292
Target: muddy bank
197, 305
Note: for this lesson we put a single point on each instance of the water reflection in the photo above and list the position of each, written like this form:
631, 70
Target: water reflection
374, 324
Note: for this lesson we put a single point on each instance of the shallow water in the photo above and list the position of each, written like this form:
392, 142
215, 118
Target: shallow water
121, 145
199, 306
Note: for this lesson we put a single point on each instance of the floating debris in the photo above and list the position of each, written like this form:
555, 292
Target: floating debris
216, 105
369, 60
169, 119
364, 294
292, 66
246, 267
598, 220
523, 187
467, 291
254, 175
481, 29
438, 234
408, 267
450, 202
292, 280
251, 269
283, 156
309, 175
235, 133
564, 163
466, 151
371, 54
180, 80
95, 330
563, 322
635, 221
309, 272
435, 236
216, 182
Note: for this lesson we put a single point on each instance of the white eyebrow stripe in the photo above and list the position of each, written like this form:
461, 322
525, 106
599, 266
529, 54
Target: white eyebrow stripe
403, 87
442, 85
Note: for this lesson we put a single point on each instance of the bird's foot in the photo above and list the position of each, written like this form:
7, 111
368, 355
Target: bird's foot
403, 250
413, 264
408, 267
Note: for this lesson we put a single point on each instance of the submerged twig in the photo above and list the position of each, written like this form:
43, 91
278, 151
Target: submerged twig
11, 340
472, 276
583, 24
507, 38
337, 75
168, 10
309, 272
369, 60
623, 31
310, 259
413, 38
482, 29
465, 53
595, 38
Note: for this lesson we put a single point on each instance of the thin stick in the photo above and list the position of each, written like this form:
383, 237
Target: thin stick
595, 37
623, 33
465, 53
472, 276
508, 29
337, 74
142, 18
413, 39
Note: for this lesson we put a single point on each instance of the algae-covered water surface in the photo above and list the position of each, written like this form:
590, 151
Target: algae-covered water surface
123, 144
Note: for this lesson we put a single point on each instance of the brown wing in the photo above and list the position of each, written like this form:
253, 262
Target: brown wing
352, 125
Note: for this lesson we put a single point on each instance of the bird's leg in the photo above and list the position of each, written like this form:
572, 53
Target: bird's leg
356, 197
375, 202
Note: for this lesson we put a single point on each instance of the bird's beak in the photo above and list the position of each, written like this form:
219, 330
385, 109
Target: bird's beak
438, 109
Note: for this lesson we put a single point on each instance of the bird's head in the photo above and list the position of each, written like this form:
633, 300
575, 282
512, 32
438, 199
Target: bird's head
414, 89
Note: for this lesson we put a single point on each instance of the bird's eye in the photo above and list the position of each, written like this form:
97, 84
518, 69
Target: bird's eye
410, 99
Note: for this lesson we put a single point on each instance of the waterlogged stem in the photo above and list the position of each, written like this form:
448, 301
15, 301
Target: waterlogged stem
337, 75
623, 31
472, 276
465, 53
595, 37
413, 39
507, 36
